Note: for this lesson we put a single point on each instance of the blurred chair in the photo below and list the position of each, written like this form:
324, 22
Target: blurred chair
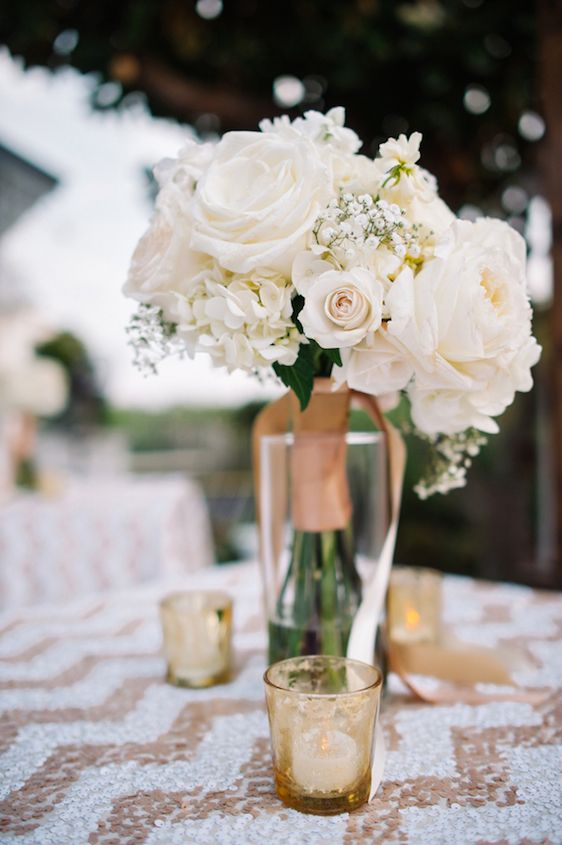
100, 534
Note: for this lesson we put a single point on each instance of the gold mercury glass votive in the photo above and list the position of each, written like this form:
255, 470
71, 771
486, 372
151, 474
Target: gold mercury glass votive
322, 713
197, 628
414, 605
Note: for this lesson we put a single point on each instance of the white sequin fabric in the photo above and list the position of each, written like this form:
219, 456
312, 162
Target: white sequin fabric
96, 748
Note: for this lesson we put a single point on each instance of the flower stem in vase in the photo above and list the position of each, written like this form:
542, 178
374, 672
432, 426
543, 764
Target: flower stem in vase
318, 599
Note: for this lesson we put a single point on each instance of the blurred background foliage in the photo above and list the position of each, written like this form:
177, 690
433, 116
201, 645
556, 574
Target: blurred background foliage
463, 72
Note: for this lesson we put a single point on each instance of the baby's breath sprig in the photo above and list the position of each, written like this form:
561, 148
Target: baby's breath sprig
152, 338
450, 458
353, 222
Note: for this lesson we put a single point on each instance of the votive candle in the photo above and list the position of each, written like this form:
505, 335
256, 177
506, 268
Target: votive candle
197, 628
322, 712
414, 605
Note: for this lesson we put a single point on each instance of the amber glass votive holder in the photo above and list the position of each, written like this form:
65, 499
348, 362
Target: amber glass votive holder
414, 605
322, 713
197, 629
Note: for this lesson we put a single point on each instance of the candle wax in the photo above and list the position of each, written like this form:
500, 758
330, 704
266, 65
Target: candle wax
325, 761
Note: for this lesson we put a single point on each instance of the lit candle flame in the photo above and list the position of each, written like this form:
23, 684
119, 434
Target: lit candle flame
324, 743
412, 618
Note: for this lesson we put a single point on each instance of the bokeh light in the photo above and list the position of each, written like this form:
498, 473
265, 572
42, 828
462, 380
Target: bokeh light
65, 42
531, 126
208, 9
515, 199
476, 99
288, 91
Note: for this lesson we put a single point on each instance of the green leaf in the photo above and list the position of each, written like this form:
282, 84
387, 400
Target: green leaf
334, 355
298, 305
299, 377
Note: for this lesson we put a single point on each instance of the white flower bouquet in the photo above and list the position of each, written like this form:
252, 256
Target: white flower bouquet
287, 251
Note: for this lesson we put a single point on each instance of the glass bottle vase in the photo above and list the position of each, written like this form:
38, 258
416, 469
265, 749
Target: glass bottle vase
323, 506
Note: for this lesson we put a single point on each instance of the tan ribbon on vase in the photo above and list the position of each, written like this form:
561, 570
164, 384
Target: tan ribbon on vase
320, 498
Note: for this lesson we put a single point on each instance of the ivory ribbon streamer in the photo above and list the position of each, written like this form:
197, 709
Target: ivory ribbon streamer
361, 645
458, 663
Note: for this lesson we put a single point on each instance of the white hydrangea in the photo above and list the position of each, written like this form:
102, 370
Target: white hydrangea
243, 321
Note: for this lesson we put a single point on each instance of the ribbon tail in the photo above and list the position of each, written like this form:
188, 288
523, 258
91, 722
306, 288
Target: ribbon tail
379, 759
361, 645
273, 419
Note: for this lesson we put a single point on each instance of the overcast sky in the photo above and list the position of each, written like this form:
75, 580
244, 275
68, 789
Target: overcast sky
72, 249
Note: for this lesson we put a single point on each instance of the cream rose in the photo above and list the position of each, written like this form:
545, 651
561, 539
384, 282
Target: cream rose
341, 306
466, 320
256, 203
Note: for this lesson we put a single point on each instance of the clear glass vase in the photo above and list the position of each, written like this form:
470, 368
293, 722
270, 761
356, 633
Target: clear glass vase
324, 513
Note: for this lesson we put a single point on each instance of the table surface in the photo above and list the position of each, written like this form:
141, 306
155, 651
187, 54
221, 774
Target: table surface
95, 747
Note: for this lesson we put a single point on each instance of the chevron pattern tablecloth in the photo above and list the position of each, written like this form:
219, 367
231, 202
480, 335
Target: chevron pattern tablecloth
95, 748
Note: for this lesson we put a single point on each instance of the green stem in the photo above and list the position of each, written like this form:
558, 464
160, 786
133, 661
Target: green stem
329, 636
304, 592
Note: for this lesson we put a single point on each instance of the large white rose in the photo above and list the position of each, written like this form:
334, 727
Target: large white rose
341, 306
163, 266
466, 321
256, 203
377, 366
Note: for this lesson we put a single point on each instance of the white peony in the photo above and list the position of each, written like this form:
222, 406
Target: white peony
378, 366
256, 202
340, 306
466, 320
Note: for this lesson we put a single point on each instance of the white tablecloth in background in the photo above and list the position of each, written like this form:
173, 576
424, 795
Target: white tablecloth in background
99, 535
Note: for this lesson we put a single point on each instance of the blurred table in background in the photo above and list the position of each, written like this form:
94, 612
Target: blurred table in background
96, 748
100, 534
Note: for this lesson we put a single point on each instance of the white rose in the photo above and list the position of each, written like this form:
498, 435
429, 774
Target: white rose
466, 321
163, 266
256, 203
377, 366
341, 307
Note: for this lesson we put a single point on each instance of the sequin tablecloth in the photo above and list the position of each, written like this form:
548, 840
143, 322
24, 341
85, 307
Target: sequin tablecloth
95, 748
100, 534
